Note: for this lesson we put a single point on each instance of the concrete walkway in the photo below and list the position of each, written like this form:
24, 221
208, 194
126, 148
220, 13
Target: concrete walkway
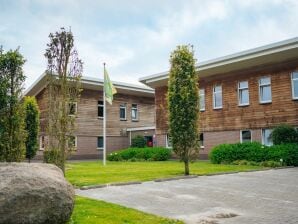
254, 197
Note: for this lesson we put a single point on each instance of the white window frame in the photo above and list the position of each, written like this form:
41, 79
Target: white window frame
214, 93
263, 132
203, 145
100, 105
137, 111
76, 108
240, 92
260, 91
167, 142
42, 139
241, 139
292, 81
202, 95
97, 142
123, 106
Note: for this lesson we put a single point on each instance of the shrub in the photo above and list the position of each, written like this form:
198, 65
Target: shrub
141, 154
286, 154
284, 134
138, 142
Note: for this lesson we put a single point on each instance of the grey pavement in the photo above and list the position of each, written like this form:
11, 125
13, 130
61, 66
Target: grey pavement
254, 197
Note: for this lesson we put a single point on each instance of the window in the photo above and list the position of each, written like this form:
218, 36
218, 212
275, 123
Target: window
243, 93
245, 136
123, 112
134, 112
202, 99
266, 137
72, 107
168, 141
217, 97
100, 142
202, 141
72, 142
42, 142
295, 85
265, 90
100, 109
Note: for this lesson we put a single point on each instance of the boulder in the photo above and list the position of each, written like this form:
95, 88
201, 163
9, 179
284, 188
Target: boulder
34, 193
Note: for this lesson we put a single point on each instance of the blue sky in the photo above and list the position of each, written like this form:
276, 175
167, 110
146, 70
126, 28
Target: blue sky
135, 37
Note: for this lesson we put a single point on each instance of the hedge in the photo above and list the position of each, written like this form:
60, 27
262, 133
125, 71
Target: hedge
139, 154
254, 151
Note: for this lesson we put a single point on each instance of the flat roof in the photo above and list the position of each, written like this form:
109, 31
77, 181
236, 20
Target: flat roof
94, 84
272, 53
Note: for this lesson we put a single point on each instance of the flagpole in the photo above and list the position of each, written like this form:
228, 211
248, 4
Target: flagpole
104, 119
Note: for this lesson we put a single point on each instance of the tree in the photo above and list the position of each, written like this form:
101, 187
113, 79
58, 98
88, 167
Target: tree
12, 132
183, 104
64, 74
31, 126
284, 134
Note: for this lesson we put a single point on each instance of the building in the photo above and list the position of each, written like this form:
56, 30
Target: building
242, 96
132, 113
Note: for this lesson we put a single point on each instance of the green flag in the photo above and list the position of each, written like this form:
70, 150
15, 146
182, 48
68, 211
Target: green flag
109, 88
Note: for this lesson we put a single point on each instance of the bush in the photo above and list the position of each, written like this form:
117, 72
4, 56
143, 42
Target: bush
284, 134
239, 153
141, 154
138, 142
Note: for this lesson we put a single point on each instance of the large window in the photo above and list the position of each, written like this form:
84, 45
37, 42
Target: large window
202, 99
243, 93
295, 85
134, 112
265, 90
123, 112
266, 137
100, 142
100, 109
217, 97
245, 136
72, 108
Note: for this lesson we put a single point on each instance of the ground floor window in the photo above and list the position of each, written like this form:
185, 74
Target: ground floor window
266, 137
168, 141
202, 141
72, 142
100, 142
42, 142
245, 136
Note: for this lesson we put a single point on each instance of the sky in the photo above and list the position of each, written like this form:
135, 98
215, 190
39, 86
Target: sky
135, 37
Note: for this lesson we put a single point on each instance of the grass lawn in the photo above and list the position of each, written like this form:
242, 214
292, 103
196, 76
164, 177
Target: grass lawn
93, 172
94, 211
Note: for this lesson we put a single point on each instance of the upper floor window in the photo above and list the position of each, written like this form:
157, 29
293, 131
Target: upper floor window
72, 108
134, 112
100, 109
202, 99
123, 112
217, 97
265, 90
295, 85
245, 136
243, 93
266, 137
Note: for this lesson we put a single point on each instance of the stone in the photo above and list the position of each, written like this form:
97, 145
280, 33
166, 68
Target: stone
34, 193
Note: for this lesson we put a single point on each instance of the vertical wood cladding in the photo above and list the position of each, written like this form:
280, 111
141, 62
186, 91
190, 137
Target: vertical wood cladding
283, 108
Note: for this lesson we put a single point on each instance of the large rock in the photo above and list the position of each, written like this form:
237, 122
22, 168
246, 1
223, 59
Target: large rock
34, 193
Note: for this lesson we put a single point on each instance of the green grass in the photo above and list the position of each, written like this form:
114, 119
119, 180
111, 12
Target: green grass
99, 212
91, 173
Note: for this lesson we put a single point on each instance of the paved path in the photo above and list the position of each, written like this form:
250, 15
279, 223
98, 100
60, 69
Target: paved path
255, 197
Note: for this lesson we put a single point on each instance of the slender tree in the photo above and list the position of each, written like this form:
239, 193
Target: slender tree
64, 73
31, 126
12, 133
183, 104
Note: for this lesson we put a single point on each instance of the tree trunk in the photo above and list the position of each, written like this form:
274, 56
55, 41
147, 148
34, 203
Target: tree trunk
186, 167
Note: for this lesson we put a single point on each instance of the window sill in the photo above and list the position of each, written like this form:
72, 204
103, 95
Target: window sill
202, 147
217, 108
99, 149
202, 110
100, 118
134, 120
266, 102
295, 98
123, 120
243, 105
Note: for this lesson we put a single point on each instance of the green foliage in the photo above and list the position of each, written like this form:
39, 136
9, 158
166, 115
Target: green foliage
138, 142
52, 156
141, 154
286, 154
12, 133
183, 104
31, 126
269, 163
284, 134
